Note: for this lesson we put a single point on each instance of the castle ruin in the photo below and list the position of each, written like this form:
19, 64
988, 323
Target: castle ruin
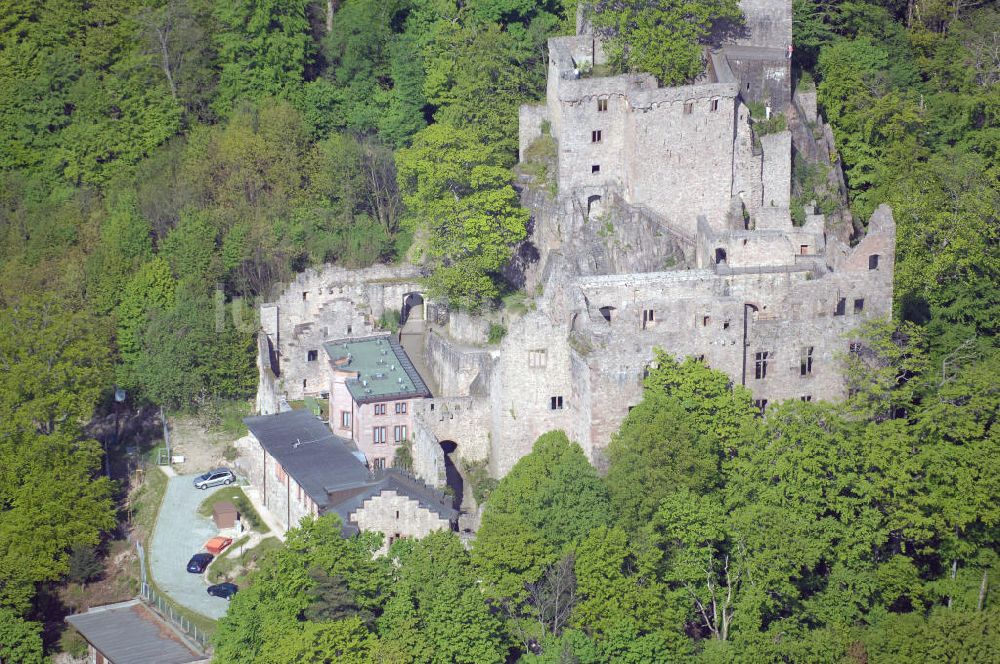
667, 225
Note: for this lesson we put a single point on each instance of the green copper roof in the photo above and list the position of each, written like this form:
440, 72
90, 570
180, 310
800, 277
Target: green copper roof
384, 371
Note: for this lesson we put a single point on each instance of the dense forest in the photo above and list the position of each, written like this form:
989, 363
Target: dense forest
163, 163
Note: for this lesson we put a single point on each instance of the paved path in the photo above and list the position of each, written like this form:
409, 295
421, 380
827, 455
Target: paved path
180, 533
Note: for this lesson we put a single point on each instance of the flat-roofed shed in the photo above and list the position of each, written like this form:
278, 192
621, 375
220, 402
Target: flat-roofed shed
131, 633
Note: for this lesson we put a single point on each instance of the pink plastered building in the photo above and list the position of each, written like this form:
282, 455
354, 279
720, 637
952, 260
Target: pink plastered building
373, 386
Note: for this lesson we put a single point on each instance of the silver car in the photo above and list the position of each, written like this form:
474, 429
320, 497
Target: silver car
214, 478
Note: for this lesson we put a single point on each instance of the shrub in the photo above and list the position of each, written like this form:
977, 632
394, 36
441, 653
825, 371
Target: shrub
497, 332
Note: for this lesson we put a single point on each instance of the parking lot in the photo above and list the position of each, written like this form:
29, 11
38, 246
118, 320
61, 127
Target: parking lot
180, 532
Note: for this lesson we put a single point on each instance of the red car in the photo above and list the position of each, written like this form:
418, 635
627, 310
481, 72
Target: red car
217, 545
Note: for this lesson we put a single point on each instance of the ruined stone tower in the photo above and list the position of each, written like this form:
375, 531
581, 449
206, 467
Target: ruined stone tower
667, 224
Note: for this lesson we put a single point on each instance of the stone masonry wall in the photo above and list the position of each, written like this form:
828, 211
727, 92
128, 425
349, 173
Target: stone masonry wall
330, 304
463, 420
397, 516
281, 495
428, 457
768, 23
530, 119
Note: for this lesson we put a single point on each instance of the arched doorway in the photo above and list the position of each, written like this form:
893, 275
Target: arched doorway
413, 304
453, 478
593, 206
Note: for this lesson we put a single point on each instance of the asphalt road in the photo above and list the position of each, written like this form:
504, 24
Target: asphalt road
179, 534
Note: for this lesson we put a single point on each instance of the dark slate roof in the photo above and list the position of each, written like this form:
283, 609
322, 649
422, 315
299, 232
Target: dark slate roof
130, 633
304, 446
329, 470
385, 371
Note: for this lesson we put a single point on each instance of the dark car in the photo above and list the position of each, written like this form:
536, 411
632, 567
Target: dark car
199, 562
223, 590
214, 478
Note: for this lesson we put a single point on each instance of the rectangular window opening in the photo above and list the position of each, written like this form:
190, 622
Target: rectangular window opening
760, 405
705, 320
806, 361
555, 403
647, 318
760, 364
595, 168
859, 305
536, 359
345, 419
806, 397
312, 356
602, 105
401, 408
688, 107
595, 136
380, 409
378, 435
841, 307
873, 262
715, 104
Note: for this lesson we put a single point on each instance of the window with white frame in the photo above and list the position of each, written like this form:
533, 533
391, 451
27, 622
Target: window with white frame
378, 435
536, 359
399, 433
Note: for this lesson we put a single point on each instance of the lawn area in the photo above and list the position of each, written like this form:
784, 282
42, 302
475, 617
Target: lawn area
234, 567
144, 503
235, 495
319, 407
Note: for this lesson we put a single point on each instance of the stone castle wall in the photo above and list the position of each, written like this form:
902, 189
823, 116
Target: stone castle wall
397, 516
321, 305
682, 240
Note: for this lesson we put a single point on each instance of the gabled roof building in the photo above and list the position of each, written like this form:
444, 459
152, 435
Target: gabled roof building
303, 469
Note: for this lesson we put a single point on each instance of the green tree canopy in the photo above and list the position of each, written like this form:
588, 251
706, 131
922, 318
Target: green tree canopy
465, 212
690, 418
437, 612
263, 47
54, 366
550, 498
663, 38
264, 622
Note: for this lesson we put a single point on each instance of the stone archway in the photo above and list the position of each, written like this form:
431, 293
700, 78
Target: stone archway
413, 306
594, 207
453, 478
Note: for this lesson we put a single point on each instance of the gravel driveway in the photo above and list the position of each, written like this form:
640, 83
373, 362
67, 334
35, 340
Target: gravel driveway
180, 533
